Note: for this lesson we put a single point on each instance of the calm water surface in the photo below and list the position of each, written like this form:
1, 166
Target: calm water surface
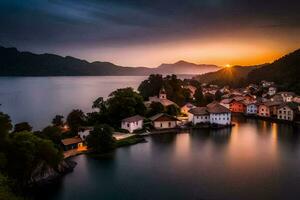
38, 99
253, 160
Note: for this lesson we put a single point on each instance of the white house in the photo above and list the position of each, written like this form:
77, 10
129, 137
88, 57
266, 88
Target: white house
164, 121
287, 111
198, 115
213, 113
251, 108
132, 123
218, 114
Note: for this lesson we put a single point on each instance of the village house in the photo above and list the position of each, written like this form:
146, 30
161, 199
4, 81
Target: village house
218, 114
132, 123
287, 96
72, 143
287, 111
162, 98
273, 106
199, 115
213, 113
277, 98
185, 109
226, 103
263, 110
164, 121
296, 99
251, 108
237, 106
249, 97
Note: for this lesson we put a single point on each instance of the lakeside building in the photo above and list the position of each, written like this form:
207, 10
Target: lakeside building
263, 110
251, 108
185, 109
164, 121
132, 123
213, 113
287, 111
237, 106
72, 143
161, 98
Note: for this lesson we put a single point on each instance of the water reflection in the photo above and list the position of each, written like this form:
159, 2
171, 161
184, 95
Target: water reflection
253, 160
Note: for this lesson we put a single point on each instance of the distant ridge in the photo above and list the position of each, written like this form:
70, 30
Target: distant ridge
285, 71
16, 63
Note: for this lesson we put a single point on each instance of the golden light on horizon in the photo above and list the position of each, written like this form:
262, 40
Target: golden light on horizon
227, 65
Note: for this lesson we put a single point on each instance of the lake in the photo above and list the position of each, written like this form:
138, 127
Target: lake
253, 160
38, 99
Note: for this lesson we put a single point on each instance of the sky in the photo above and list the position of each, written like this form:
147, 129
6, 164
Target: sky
151, 32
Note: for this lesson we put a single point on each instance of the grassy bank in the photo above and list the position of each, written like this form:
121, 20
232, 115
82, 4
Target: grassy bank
129, 141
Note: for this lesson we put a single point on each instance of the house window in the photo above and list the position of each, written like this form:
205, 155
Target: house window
160, 124
128, 125
169, 124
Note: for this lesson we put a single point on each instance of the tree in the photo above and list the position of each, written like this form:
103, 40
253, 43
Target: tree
199, 97
58, 121
173, 110
101, 139
23, 126
218, 95
27, 152
124, 103
99, 103
151, 86
75, 119
6, 189
155, 108
53, 133
5, 127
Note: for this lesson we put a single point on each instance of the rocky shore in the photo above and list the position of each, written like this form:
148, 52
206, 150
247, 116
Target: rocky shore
45, 174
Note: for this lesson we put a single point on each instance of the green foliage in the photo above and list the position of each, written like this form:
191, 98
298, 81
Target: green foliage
124, 103
53, 133
218, 95
26, 152
151, 86
5, 127
173, 110
6, 192
58, 121
129, 141
173, 86
101, 139
23, 126
199, 97
155, 108
75, 120
99, 104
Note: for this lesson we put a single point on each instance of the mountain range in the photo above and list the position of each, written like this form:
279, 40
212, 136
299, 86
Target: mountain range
16, 63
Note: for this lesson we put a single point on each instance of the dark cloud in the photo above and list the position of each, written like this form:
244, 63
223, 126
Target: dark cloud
121, 22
